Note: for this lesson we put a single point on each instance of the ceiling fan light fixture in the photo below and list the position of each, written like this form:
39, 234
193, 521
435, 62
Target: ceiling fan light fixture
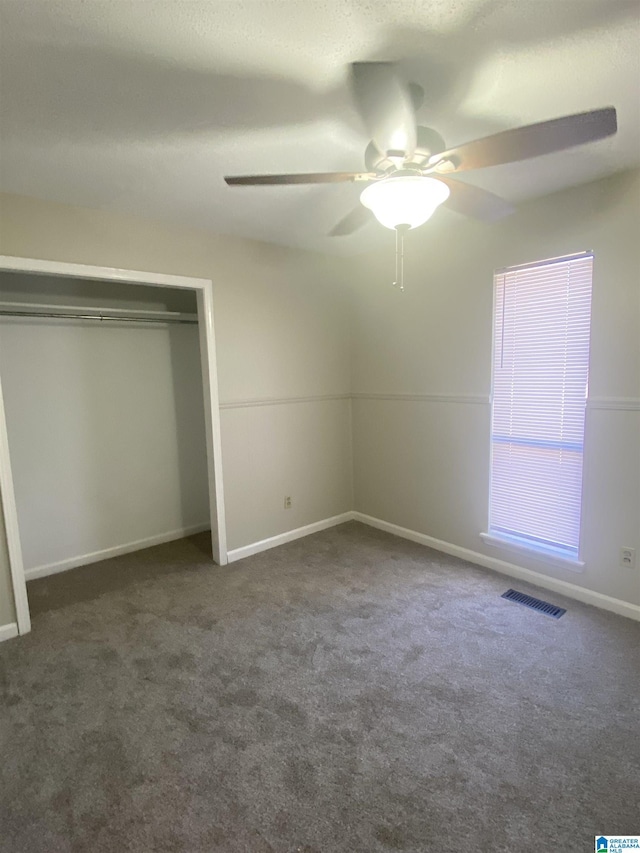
404, 200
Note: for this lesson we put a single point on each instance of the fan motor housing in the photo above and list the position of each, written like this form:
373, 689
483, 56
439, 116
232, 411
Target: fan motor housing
429, 142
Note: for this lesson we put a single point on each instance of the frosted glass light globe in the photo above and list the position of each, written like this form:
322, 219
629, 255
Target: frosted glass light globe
404, 200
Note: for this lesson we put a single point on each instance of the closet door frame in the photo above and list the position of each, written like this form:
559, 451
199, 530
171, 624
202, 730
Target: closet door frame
204, 293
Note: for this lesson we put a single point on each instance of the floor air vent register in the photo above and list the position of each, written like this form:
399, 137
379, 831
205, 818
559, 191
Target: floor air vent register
534, 603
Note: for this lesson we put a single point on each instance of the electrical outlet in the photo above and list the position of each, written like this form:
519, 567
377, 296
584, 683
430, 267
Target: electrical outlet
628, 557
287, 502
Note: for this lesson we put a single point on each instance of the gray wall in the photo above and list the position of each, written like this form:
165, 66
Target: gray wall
424, 463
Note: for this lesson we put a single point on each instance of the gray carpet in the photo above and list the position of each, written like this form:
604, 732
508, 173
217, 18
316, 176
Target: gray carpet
347, 692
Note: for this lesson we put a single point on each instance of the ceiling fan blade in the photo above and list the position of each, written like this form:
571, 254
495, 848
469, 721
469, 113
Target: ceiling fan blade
310, 178
354, 220
532, 140
386, 106
474, 201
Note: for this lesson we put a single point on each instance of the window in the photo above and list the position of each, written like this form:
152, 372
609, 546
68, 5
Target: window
542, 315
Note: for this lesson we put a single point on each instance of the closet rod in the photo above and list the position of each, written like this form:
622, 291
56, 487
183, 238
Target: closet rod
112, 314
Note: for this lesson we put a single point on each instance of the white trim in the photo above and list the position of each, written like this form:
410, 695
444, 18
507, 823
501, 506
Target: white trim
12, 531
116, 551
282, 401
289, 536
8, 632
616, 404
558, 259
204, 291
475, 399
352, 493
587, 596
517, 548
39, 267
209, 370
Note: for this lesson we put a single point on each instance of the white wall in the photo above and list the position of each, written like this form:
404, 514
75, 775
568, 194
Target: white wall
282, 332
299, 435
423, 463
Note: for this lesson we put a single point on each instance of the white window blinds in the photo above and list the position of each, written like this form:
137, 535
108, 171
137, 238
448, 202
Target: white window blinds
540, 374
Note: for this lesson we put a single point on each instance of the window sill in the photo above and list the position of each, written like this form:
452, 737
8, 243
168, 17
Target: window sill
547, 558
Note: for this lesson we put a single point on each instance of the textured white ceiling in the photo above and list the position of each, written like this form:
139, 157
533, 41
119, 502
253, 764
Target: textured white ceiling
142, 106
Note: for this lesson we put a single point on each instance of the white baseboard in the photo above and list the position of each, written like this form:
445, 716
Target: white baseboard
8, 632
597, 599
289, 536
588, 596
116, 551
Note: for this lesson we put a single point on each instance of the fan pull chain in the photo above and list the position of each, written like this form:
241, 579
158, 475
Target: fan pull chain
400, 232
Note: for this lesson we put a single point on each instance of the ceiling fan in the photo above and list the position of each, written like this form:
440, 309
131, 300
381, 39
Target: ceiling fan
409, 168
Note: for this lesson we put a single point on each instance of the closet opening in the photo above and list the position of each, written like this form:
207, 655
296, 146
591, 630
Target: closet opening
109, 416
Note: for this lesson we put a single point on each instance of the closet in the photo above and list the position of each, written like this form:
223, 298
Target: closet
105, 416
